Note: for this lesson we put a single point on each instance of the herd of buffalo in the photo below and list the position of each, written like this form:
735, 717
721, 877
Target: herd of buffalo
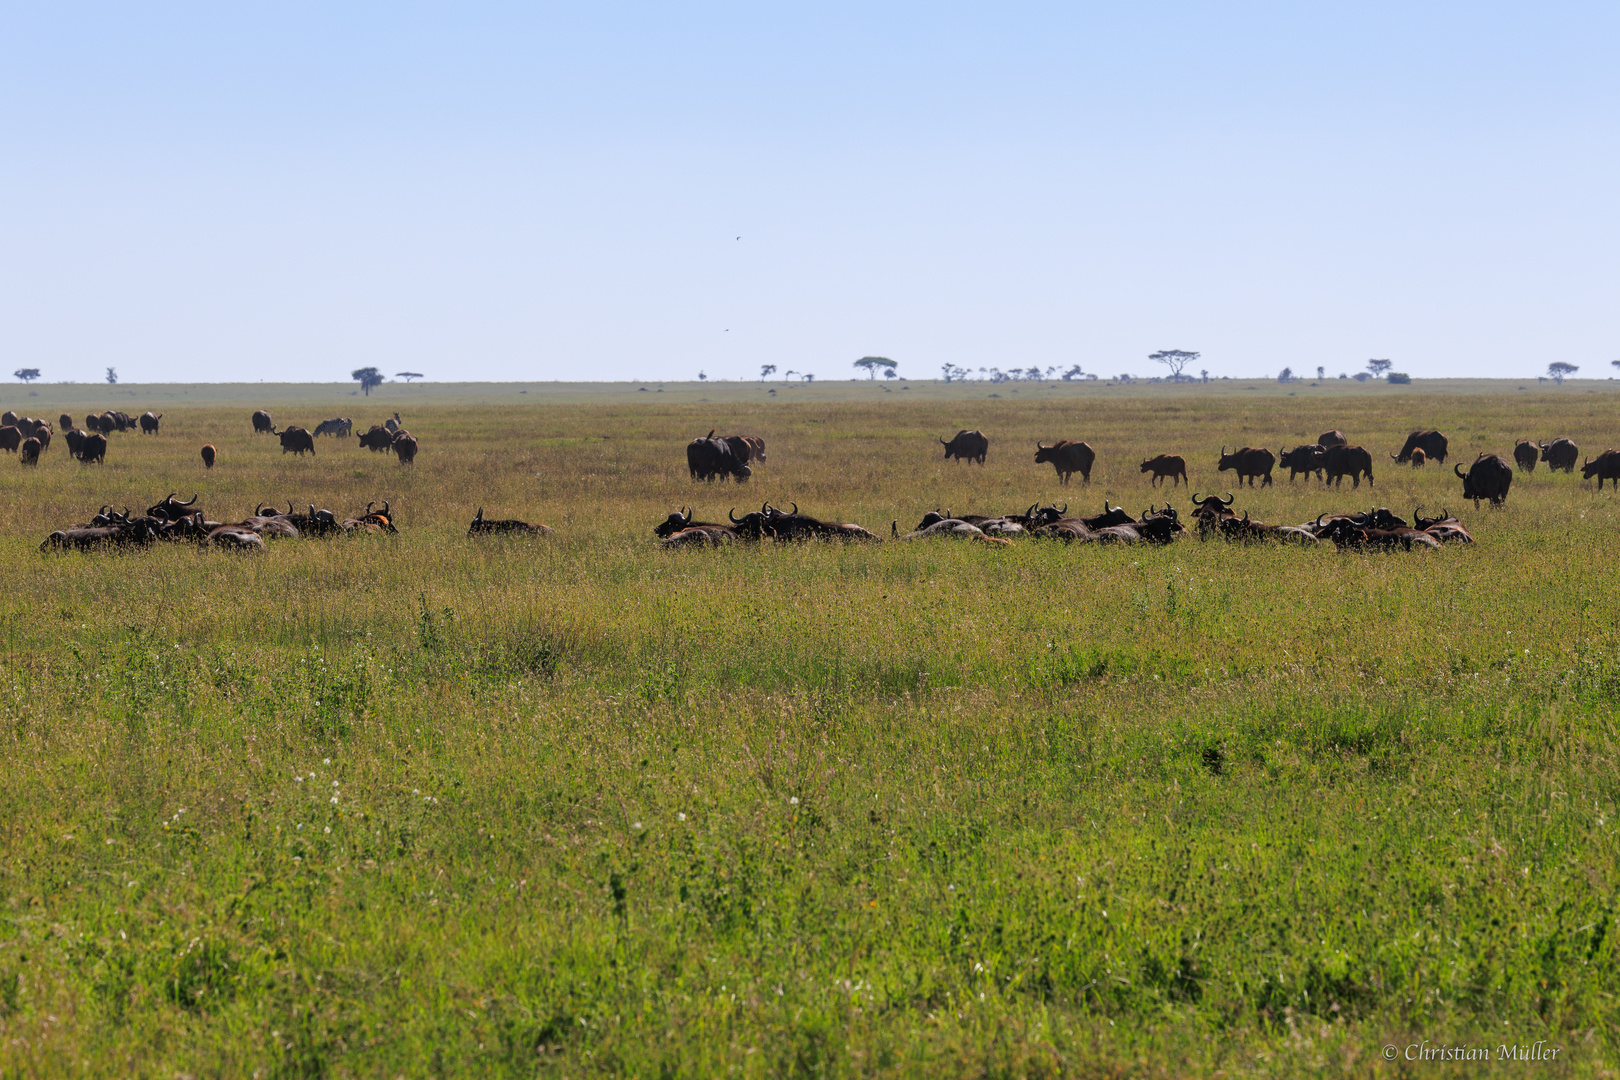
1213, 517
31, 437
175, 520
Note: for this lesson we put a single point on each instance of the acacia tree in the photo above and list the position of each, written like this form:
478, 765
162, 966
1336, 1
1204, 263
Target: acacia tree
1558, 371
766, 371
27, 374
112, 376
367, 377
1175, 360
407, 375
1378, 367
872, 363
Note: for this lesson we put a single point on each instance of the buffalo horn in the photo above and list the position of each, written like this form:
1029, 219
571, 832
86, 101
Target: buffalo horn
732, 514
1458, 470
1228, 500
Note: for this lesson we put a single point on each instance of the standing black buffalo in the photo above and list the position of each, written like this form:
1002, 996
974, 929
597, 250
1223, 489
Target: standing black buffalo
149, 422
377, 439
1332, 438
1526, 454
969, 445
1560, 454
1489, 477
1172, 465
1351, 461
709, 457
404, 446
1302, 459
93, 448
1249, 463
296, 439
1433, 444
1606, 466
262, 424
1067, 457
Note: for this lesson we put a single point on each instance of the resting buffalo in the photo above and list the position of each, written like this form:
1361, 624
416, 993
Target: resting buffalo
682, 519
1171, 465
236, 538
338, 426
1489, 477
1526, 454
1560, 454
404, 446
208, 455
149, 422
1302, 459
1248, 463
296, 439
1067, 457
1606, 466
792, 525
93, 448
262, 424
10, 438
172, 509
1341, 461
85, 538
1332, 438
968, 445
709, 457
30, 451
506, 526
1433, 443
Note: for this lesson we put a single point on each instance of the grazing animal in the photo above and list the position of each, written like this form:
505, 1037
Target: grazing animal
709, 457
208, 455
1433, 444
1526, 454
30, 451
93, 448
1560, 454
377, 438
149, 422
9, 419
1341, 461
1332, 438
262, 424
506, 527
404, 446
296, 440
1248, 463
755, 445
1606, 466
394, 423
67, 422
1171, 465
1489, 477
75, 441
1302, 459
338, 426
10, 438
1419, 458
1067, 457
967, 445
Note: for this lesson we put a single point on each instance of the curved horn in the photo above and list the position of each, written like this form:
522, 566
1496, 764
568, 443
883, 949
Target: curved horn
1228, 500
1196, 499
1032, 508
193, 500
942, 442
1065, 509
312, 511
795, 510
1319, 518
289, 508
386, 511
369, 505
732, 514
479, 516
1458, 470
1039, 445
1245, 517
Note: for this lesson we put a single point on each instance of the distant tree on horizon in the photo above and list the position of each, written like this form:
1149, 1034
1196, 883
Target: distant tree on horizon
367, 377
1285, 375
27, 374
1558, 371
1175, 360
765, 371
112, 376
407, 375
890, 373
872, 363
1378, 367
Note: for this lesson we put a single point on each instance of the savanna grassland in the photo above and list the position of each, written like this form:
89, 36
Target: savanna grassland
422, 805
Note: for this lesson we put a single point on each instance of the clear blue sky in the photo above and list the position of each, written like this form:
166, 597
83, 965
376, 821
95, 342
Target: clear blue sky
289, 190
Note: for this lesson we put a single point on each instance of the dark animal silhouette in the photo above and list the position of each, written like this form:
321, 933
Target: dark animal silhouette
1067, 457
967, 445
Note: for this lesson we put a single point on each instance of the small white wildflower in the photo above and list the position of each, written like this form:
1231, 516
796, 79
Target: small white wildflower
298, 779
334, 800
329, 828
334, 783
637, 825
682, 817
793, 801
300, 828
326, 761
416, 791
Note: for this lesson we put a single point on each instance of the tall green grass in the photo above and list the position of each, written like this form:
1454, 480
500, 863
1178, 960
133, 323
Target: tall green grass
419, 805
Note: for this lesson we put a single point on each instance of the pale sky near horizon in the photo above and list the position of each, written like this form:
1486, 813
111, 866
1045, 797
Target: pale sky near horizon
206, 192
